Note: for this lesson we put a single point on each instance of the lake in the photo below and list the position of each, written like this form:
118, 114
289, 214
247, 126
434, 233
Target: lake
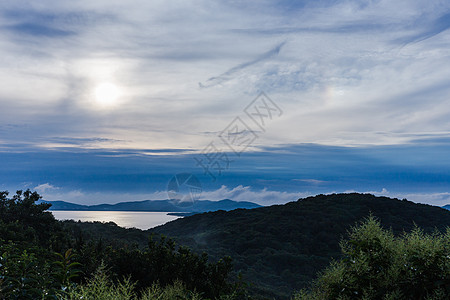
127, 219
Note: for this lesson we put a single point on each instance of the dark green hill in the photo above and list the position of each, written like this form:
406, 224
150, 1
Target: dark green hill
281, 248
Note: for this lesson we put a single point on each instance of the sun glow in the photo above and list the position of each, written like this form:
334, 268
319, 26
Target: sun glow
107, 94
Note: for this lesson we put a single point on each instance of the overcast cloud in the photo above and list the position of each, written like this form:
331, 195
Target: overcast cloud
347, 74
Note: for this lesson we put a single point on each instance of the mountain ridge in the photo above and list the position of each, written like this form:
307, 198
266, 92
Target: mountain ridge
281, 248
198, 206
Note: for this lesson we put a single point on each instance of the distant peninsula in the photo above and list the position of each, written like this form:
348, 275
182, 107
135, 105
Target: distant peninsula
171, 206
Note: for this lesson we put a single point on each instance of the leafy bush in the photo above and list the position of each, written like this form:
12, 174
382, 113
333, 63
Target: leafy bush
378, 265
102, 287
25, 275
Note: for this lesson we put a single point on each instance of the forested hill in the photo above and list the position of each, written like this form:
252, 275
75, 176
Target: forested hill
281, 248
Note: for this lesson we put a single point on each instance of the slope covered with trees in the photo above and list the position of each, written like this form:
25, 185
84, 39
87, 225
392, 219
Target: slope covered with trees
281, 248
42, 258
278, 250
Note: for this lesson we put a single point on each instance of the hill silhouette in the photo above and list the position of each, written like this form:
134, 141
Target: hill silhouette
280, 249
155, 206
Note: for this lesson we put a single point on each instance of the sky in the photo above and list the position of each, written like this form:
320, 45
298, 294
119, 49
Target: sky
264, 101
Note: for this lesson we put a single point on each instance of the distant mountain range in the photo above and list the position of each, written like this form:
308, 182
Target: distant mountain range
446, 206
157, 206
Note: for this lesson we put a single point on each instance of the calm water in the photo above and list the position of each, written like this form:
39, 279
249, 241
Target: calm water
128, 219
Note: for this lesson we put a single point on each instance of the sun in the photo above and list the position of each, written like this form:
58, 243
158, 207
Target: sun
106, 94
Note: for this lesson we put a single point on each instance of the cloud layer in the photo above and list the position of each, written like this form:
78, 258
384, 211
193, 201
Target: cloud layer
363, 87
418, 171
367, 69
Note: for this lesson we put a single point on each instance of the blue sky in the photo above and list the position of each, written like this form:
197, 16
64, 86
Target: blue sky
360, 88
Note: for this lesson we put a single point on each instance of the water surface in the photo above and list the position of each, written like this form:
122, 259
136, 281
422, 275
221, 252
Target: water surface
128, 219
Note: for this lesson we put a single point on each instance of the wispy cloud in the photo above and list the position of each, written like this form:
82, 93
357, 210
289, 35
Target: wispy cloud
228, 74
431, 29
311, 181
265, 174
37, 30
320, 65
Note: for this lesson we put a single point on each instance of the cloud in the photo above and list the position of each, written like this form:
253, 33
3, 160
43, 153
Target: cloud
311, 181
361, 109
45, 187
228, 74
246, 193
37, 30
436, 199
419, 167
321, 67
238, 193
433, 28
439, 199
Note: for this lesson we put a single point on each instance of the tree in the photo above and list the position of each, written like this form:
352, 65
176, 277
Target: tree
378, 265
25, 221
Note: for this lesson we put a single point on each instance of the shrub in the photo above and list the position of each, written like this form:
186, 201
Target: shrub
378, 265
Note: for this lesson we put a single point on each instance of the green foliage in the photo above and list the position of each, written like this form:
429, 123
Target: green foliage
102, 287
65, 269
21, 278
33, 264
164, 262
27, 274
176, 291
378, 265
29, 236
281, 248
108, 233
27, 223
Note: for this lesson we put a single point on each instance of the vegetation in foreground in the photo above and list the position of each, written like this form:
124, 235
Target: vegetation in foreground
31, 268
378, 265
374, 263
